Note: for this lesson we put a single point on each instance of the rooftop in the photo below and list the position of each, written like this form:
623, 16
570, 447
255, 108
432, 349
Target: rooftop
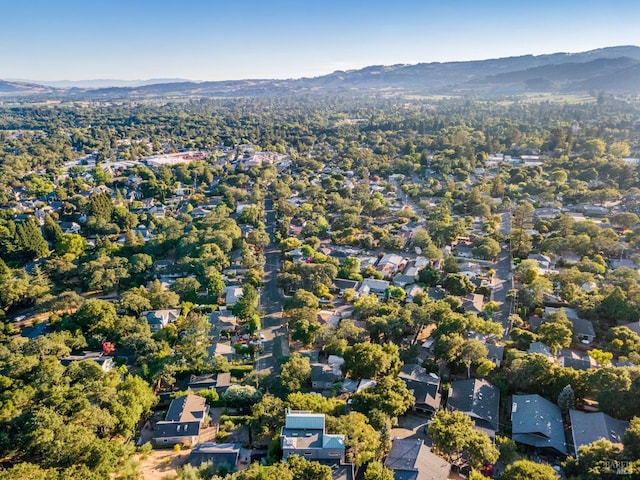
589, 427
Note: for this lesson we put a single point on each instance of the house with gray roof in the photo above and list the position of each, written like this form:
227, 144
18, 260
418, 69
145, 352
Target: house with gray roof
323, 376
217, 454
583, 329
304, 434
541, 348
158, 319
183, 421
411, 459
424, 386
589, 427
537, 422
575, 359
402, 280
218, 381
372, 285
478, 399
473, 302
342, 284
105, 362
232, 294
495, 353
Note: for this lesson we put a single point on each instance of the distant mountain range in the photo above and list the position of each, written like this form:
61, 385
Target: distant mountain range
612, 70
99, 83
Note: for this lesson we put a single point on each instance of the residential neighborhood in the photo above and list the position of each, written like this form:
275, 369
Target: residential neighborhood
325, 307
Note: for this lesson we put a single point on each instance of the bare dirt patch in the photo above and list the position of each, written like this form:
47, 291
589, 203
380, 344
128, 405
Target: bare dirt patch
161, 464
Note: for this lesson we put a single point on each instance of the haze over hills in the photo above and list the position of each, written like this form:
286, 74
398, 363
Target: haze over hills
612, 69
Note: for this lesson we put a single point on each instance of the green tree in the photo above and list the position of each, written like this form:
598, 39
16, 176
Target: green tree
486, 248
555, 335
472, 352
304, 325
315, 403
370, 360
187, 288
601, 357
594, 461
361, 439
631, 439
241, 396
295, 373
567, 399
302, 469
71, 244
458, 284
268, 414
622, 340
390, 396
454, 436
350, 269
194, 340
377, 471
528, 470
215, 283
429, 276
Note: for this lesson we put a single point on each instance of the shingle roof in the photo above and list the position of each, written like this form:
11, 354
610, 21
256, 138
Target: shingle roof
411, 459
216, 453
477, 398
589, 427
537, 422
186, 408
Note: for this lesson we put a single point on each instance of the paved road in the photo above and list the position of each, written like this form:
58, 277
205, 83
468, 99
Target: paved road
276, 340
502, 282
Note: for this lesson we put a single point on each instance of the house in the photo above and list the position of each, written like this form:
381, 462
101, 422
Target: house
342, 284
351, 386
371, 285
583, 329
217, 454
541, 348
389, 264
478, 399
70, 227
223, 349
223, 321
105, 362
232, 294
411, 291
424, 386
473, 303
495, 353
329, 317
589, 427
183, 421
218, 381
304, 434
402, 280
199, 212
545, 265
537, 422
411, 459
324, 376
158, 319
575, 359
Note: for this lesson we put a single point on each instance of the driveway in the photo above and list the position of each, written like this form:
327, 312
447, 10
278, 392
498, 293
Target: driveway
411, 425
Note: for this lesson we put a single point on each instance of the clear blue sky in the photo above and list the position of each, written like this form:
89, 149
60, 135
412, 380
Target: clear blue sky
233, 39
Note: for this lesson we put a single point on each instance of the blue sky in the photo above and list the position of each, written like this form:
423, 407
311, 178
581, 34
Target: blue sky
224, 39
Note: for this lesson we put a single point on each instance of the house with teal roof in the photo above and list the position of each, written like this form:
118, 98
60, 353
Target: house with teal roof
304, 434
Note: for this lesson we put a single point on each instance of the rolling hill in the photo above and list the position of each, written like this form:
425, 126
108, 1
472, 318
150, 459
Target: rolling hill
612, 69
